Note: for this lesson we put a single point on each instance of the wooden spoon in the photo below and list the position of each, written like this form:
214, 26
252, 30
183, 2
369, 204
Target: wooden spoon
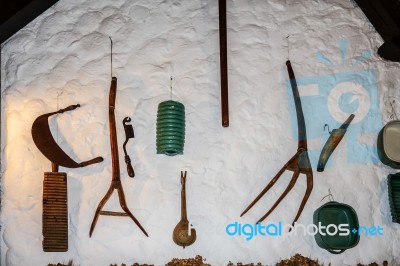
181, 235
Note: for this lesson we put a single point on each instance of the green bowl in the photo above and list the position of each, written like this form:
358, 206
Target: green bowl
336, 214
394, 196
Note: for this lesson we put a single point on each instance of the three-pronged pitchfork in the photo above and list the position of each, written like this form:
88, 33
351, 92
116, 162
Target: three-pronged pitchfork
299, 163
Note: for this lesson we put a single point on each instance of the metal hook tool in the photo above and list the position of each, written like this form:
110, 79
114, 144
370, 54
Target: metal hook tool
299, 163
129, 134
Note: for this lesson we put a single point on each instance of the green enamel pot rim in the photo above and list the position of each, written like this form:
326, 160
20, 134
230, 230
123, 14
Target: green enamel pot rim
171, 103
170, 109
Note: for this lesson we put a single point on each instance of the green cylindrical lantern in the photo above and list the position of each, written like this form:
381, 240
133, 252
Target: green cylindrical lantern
170, 128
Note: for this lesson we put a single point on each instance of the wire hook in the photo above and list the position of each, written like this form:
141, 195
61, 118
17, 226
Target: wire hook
288, 46
327, 126
329, 195
393, 114
111, 55
171, 88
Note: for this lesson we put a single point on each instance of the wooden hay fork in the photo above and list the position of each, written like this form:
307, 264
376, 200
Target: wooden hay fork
299, 163
116, 180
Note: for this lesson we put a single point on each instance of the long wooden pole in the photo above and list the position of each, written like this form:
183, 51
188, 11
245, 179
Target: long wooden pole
223, 63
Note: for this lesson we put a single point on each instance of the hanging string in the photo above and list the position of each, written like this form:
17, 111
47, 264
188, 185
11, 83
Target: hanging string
288, 46
111, 56
58, 108
329, 195
59, 93
171, 88
393, 114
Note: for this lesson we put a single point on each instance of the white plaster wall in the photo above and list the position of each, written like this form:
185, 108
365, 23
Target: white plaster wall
62, 58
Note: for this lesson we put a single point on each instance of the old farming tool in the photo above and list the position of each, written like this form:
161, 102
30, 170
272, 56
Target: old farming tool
55, 207
116, 180
183, 235
299, 163
45, 142
223, 62
129, 134
332, 142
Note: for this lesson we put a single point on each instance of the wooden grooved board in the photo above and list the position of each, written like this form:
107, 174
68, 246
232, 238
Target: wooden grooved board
55, 212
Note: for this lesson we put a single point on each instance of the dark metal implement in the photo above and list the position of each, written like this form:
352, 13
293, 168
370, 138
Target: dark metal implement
183, 235
45, 142
332, 142
129, 134
223, 62
116, 179
299, 163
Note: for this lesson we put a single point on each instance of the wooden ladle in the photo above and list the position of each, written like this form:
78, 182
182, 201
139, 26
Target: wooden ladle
182, 236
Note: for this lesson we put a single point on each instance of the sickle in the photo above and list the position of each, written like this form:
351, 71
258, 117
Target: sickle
45, 142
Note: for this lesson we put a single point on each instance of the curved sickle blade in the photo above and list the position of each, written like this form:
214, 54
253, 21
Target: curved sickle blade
45, 142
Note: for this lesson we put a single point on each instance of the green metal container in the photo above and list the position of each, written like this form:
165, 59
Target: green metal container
336, 214
394, 196
389, 144
170, 128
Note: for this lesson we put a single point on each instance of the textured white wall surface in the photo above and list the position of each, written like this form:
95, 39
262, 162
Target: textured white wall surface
63, 58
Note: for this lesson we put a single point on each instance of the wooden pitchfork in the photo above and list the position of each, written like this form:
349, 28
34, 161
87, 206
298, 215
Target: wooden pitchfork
299, 163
